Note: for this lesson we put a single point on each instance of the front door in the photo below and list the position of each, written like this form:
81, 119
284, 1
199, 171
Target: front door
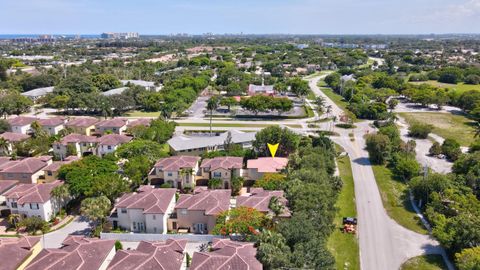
199, 228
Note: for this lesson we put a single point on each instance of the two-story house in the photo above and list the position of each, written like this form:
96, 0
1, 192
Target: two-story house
223, 168
52, 125
30, 200
11, 139
75, 144
16, 253
114, 125
146, 210
259, 199
256, 168
178, 171
109, 143
21, 124
197, 212
51, 171
82, 125
145, 122
26, 171
5, 186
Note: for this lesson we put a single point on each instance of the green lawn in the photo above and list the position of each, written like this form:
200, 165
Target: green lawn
395, 200
142, 114
461, 87
426, 262
446, 125
338, 99
343, 246
232, 125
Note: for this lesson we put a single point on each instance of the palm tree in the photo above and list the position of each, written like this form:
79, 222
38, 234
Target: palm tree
212, 104
96, 210
4, 146
276, 206
61, 194
13, 219
184, 173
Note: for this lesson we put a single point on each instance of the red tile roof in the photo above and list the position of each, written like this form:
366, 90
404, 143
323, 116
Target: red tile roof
151, 255
82, 122
29, 165
32, 193
152, 200
113, 139
260, 199
55, 166
267, 164
14, 251
52, 122
14, 137
77, 253
227, 254
211, 201
176, 163
114, 122
140, 122
226, 163
21, 121
78, 138
5, 185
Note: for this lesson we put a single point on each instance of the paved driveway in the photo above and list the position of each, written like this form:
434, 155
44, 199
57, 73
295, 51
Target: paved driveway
79, 226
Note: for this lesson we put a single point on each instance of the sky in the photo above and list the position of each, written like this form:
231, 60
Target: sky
240, 16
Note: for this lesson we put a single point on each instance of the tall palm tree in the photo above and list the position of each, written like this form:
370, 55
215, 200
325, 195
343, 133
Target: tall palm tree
61, 194
96, 210
184, 173
4, 146
212, 105
13, 219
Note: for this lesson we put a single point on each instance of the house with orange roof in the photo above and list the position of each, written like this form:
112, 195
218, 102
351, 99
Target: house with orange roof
223, 168
256, 168
178, 171
75, 144
109, 143
50, 173
12, 138
82, 125
21, 124
26, 171
16, 253
52, 125
144, 211
114, 125
30, 200
198, 212
259, 199
5, 185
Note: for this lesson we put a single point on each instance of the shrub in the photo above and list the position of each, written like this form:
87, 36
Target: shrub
468, 259
405, 167
472, 79
215, 183
345, 125
118, 245
271, 181
378, 147
419, 130
435, 150
34, 224
166, 185
451, 149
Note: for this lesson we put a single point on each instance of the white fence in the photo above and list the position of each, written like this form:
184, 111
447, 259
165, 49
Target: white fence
137, 237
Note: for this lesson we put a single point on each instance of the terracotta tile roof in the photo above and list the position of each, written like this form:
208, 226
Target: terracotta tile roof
267, 164
29, 165
4, 160
226, 163
151, 255
260, 199
52, 122
14, 251
140, 122
5, 185
152, 200
227, 254
211, 201
176, 163
78, 138
21, 121
114, 122
82, 122
14, 137
55, 166
77, 253
113, 139
32, 193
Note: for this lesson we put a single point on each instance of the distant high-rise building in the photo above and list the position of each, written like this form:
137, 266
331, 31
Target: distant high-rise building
111, 35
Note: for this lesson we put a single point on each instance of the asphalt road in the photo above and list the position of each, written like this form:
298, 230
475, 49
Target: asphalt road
384, 244
79, 226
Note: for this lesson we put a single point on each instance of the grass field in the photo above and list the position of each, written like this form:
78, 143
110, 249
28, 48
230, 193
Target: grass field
395, 200
427, 262
233, 125
343, 246
461, 87
332, 95
142, 114
446, 125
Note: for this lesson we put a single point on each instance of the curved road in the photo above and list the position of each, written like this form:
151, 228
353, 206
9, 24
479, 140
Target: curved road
384, 244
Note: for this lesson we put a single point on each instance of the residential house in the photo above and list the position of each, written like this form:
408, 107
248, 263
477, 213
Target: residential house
256, 168
178, 171
259, 199
148, 85
116, 91
144, 211
30, 200
109, 143
224, 168
75, 144
114, 125
11, 139
82, 125
77, 253
52, 125
5, 185
26, 171
197, 145
16, 253
197, 212
21, 124
151, 255
139, 122
51, 171
227, 254
37, 93
266, 90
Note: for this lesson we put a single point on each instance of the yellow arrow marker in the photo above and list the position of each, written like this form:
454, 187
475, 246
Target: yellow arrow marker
273, 149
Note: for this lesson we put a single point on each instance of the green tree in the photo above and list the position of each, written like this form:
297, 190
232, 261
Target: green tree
288, 141
228, 101
96, 210
34, 224
272, 250
378, 147
137, 169
237, 184
419, 130
272, 181
212, 104
215, 183
451, 149
61, 194
435, 150
405, 166
105, 82
153, 151
4, 126
468, 259
240, 220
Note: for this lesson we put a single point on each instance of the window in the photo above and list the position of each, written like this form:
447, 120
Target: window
84, 144
170, 174
183, 211
34, 206
49, 173
174, 225
109, 147
124, 210
154, 229
14, 204
217, 174
154, 217
134, 225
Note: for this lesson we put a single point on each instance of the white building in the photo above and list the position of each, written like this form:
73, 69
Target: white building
52, 125
81, 144
109, 143
21, 124
144, 211
30, 200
